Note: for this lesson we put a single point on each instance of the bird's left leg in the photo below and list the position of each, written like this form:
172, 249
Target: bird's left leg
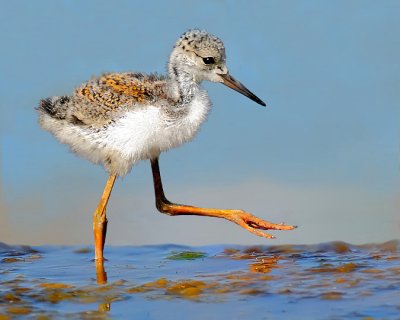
244, 219
100, 220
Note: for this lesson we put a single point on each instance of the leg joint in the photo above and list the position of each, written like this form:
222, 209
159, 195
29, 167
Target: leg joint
164, 206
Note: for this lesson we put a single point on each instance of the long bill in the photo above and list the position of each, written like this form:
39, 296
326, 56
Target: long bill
232, 83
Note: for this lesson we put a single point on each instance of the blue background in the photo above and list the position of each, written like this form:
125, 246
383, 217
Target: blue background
323, 155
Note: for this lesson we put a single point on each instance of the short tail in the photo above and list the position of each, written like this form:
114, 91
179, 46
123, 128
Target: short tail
55, 107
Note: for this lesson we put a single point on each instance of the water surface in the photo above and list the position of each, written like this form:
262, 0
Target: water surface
326, 281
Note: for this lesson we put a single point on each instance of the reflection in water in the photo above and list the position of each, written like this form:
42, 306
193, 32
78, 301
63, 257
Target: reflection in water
285, 280
101, 278
264, 264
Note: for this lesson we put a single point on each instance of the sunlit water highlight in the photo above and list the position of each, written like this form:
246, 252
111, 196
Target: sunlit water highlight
326, 281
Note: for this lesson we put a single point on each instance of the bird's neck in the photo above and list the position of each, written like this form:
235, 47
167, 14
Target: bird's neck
183, 84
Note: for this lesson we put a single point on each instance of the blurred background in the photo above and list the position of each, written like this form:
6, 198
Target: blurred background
323, 155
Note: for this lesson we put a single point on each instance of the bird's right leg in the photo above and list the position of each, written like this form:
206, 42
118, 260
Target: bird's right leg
244, 219
100, 220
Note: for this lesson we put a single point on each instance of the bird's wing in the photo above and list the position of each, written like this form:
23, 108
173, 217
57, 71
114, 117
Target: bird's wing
101, 99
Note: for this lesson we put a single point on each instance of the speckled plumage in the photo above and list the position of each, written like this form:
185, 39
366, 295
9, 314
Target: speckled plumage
118, 119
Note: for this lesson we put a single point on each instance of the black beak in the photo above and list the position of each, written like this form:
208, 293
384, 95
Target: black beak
232, 83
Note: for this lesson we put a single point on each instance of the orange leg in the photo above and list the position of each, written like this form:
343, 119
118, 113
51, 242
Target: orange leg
242, 218
100, 220
101, 274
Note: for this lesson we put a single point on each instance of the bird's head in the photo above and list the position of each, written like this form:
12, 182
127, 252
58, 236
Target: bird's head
202, 56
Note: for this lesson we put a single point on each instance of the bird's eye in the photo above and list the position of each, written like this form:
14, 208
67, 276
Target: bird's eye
209, 60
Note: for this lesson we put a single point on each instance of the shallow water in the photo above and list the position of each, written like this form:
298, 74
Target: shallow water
326, 281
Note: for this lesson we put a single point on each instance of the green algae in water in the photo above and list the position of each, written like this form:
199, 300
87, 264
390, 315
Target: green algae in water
187, 255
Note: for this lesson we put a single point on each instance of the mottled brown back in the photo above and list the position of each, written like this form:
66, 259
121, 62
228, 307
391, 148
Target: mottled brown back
100, 99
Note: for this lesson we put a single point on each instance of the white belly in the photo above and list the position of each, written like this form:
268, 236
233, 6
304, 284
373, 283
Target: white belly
139, 134
146, 132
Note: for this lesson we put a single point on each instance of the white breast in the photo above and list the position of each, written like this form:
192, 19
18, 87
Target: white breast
146, 132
